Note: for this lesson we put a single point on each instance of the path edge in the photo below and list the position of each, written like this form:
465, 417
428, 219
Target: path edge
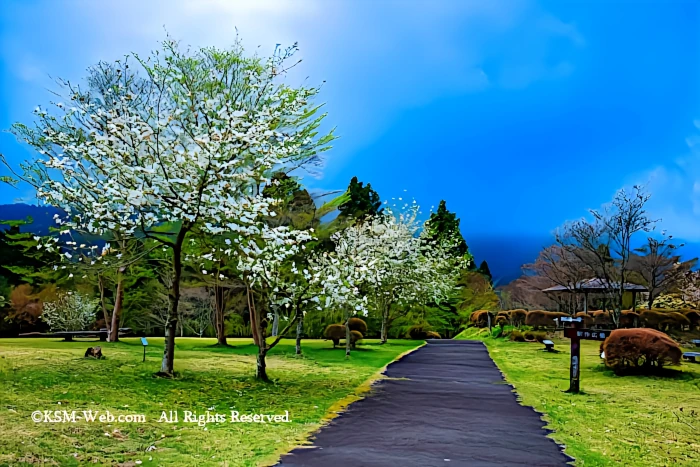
543, 415
337, 408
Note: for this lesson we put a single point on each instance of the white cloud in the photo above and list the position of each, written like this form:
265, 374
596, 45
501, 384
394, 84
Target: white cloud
675, 192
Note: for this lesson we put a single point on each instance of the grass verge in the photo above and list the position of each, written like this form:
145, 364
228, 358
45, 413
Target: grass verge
47, 374
630, 420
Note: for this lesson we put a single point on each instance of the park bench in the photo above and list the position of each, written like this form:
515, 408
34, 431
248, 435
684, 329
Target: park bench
548, 345
69, 335
692, 356
696, 342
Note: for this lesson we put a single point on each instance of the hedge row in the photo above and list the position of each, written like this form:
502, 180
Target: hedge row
660, 319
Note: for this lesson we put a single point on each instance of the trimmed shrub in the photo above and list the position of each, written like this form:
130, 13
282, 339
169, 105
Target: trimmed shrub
587, 320
432, 335
334, 332
532, 336
357, 324
543, 319
693, 317
480, 318
629, 319
517, 317
602, 319
640, 349
664, 321
651, 318
676, 321
517, 336
501, 321
418, 332
355, 337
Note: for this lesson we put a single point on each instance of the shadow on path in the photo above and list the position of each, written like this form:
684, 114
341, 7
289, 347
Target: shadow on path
455, 409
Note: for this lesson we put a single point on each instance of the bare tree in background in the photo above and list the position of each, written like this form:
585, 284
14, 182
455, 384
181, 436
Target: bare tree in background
562, 267
526, 292
604, 245
660, 266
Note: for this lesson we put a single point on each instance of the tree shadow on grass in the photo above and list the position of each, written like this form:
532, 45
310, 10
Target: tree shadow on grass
651, 372
357, 349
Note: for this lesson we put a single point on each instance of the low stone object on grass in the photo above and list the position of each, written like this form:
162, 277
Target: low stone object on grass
95, 352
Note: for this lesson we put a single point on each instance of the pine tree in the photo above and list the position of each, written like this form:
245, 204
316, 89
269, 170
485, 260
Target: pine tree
484, 269
443, 226
364, 201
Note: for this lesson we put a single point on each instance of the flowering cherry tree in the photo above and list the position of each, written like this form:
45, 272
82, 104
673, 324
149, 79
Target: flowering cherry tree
172, 145
398, 265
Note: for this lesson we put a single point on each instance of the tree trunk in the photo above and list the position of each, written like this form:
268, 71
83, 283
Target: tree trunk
116, 313
254, 319
385, 330
261, 367
347, 335
219, 323
275, 323
101, 286
300, 329
166, 367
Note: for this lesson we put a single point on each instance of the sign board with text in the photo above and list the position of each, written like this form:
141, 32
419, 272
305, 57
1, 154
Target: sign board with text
576, 333
586, 334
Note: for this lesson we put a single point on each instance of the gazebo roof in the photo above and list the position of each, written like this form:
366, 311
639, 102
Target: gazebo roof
595, 285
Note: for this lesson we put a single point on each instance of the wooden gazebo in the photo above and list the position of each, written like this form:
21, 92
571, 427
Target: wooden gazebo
596, 286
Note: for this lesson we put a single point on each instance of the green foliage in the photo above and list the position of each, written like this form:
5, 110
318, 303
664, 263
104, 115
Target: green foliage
671, 301
235, 326
443, 227
474, 292
22, 262
316, 322
362, 201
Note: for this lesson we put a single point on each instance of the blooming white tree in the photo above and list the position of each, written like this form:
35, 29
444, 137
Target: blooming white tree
262, 257
173, 145
398, 265
70, 312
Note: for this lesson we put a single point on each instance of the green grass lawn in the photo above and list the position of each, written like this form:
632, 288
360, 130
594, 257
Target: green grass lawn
48, 374
630, 420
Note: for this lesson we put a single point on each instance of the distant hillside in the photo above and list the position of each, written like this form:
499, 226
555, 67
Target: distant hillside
42, 216
506, 255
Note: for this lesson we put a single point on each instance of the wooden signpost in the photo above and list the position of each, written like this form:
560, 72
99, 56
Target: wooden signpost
576, 333
144, 342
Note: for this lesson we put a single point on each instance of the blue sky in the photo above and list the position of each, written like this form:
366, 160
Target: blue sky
521, 114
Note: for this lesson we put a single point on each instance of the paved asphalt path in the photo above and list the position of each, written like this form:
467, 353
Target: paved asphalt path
454, 409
